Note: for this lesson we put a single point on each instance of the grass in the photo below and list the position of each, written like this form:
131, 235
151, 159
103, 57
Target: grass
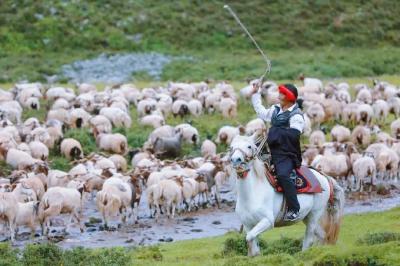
318, 38
378, 232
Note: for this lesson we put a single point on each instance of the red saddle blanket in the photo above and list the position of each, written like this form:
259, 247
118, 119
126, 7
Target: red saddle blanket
306, 181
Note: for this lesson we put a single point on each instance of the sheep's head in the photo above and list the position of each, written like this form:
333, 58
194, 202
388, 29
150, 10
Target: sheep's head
76, 153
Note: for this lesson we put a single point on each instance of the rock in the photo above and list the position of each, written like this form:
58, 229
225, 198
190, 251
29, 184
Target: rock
87, 224
94, 220
366, 204
91, 229
216, 222
169, 239
100, 240
189, 219
196, 230
129, 241
161, 240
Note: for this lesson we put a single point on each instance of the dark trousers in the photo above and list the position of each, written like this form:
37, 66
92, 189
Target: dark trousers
283, 167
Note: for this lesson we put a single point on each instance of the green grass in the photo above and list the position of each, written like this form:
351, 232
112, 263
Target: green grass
378, 232
318, 38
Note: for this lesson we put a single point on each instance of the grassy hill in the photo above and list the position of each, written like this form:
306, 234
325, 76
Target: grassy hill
323, 38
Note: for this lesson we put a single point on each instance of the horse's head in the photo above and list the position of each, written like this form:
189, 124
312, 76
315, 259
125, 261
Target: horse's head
242, 152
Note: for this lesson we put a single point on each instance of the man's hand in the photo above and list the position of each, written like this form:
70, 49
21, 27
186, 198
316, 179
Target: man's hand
256, 87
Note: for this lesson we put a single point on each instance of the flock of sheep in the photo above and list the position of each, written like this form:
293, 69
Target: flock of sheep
33, 193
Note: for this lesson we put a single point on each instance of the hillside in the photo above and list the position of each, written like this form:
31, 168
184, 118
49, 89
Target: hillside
329, 38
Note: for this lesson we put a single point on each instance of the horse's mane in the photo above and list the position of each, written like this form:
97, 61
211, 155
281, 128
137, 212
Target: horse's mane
259, 168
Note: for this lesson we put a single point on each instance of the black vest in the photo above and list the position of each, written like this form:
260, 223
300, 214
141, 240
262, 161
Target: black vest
283, 140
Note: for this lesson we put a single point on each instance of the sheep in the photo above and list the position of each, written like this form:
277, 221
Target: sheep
227, 133
340, 133
190, 189
9, 211
116, 143
146, 106
61, 103
212, 102
71, 149
19, 160
58, 178
364, 96
39, 150
180, 107
78, 118
59, 114
163, 131
208, 149
11, 110
168, 147
312, 84
153, 120
332, 108
31, 103
168, 192
364, 113
116, 195
255, 126
100, 124
27, 215
55, 133
387, 160
395, 128
228, 107
316, 113
349, 113
361, 135
363, 168
381, 110
394, 106
60, 92
317, 138
22, 192
384, 137
309, 154
335, 165
120, 162
195, 107
58, 200
189, 133
117, 117
37, 182
343, 96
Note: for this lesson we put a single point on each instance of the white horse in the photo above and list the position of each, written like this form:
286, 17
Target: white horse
259, 205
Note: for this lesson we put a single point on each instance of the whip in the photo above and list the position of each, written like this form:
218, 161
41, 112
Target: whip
268, 68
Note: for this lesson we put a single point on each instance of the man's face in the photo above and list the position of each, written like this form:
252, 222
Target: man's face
282, 99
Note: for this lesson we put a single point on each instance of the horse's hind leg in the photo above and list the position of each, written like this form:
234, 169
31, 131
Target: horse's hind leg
313, 230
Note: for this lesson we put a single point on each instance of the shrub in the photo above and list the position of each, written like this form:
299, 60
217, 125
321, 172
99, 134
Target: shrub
283, 245
8, 255
76, 256
43, 254
378, 238
237, 245
116, 256
149, 253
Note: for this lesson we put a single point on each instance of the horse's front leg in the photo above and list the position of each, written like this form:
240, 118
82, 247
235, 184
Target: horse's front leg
251, 237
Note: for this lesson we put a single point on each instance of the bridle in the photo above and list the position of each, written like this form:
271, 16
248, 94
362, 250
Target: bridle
243, 169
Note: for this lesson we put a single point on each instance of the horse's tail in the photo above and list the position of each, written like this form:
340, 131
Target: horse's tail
334, 213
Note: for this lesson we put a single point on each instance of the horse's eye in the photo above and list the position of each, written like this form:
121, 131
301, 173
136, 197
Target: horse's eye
249, 147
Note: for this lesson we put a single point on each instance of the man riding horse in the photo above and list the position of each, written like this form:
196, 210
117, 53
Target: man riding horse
287, 124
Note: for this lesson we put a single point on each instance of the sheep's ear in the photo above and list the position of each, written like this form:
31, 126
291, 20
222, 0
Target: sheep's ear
242, 130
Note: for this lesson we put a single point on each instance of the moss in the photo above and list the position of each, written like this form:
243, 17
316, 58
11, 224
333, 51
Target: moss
44, 254
378, 238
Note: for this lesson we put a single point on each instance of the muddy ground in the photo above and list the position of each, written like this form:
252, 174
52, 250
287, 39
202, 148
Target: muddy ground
205, 222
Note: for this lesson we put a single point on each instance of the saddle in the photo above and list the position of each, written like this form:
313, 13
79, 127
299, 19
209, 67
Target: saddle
306, 181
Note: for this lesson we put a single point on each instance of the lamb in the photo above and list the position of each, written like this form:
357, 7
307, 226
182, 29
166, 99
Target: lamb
363, 168
58, 200
180, 107
228, 107
340, 133
146, 106
78, 118
364, 96
227, 133
168, 147
116, 195
116, 143
120, 162
208, 149
316, 113
395, 128
381, 110
317, 138
100, 124
19, 160
195, 107
118, 117
255, 126
39, 150
153, 120
361, 135
167, 193
189, 133
71, 149
28, 215
364, 113
9, 211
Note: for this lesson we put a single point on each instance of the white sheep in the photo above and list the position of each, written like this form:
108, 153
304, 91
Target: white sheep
394, 106
71, 149
116, 143
119, 162
227, 133
228, 107
364, 113
9, 211
28, 215
58, 200
100, 124
364, 96
39, 150
208, 149
316, 113
118, 117
146, 106
395, 128
361, 135
381, 110
78, 118
195, 107
189, 133
153, 120
317, 138
340, 133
